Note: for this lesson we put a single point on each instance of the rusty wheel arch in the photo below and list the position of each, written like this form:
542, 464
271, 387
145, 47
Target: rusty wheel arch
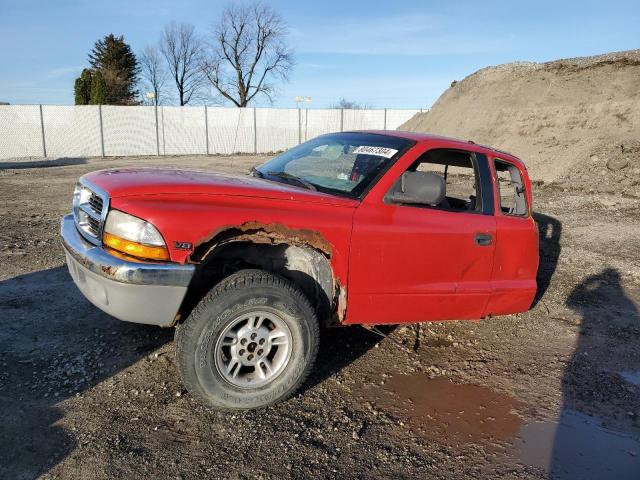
301, 253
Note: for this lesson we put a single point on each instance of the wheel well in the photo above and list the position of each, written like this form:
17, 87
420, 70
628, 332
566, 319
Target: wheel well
303, 265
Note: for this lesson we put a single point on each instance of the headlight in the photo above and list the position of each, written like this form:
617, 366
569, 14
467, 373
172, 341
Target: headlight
133, 236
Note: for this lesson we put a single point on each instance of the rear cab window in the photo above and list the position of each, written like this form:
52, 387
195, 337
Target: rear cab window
511, 190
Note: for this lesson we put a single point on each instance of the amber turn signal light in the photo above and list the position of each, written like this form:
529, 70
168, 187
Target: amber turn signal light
135, 249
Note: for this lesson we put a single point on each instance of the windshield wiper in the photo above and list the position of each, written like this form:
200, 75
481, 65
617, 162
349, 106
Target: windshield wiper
289, 176
256, 173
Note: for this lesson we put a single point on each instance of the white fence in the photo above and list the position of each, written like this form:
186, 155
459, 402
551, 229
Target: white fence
83, 131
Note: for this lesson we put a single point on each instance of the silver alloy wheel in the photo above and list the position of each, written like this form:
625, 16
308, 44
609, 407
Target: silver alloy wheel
254, 349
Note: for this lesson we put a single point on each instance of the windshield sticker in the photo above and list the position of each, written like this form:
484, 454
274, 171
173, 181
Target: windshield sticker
379, 151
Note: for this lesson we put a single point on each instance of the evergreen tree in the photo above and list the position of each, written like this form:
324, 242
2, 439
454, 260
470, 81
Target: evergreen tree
77, 91
119, 67
82, 87
98, 89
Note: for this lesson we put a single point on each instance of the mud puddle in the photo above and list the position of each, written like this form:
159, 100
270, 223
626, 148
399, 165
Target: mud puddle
448, 412
575, 446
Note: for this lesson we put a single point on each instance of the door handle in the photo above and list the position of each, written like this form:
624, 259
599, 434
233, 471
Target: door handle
483, 239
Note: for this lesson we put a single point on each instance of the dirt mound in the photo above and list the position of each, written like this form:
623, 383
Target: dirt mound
573, 121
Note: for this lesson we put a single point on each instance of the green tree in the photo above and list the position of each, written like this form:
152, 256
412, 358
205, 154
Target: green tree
82, 87
77, 92
98, 89
113, 57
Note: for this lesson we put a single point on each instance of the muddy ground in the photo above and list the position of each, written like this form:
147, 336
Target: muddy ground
556, 389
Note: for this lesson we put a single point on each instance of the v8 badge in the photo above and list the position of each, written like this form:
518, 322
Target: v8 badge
183, 245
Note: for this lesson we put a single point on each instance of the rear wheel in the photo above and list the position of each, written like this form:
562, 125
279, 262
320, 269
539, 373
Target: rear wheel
250, 342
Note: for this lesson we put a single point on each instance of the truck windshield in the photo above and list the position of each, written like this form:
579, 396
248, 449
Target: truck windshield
344, 164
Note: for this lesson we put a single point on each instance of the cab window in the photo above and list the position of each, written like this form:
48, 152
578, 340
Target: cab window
513, 200
460, 174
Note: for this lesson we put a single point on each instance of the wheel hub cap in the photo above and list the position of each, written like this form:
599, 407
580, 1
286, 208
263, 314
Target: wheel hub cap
253, 349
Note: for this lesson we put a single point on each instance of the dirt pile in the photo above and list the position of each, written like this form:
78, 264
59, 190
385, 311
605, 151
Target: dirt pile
575, 121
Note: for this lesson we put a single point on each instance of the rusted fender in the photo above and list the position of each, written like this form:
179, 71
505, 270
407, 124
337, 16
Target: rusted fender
269, 233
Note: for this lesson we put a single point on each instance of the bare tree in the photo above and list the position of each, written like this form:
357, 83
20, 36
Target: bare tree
182, 49
348, 105
153, 73
248, 51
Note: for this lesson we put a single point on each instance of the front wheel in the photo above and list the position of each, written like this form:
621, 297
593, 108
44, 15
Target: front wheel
250, 342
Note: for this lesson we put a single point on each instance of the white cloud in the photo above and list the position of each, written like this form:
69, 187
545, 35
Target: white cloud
317, 66
59, 72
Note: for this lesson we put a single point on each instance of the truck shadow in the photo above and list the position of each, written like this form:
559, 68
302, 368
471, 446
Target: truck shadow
54, 345
340, 347
549, 235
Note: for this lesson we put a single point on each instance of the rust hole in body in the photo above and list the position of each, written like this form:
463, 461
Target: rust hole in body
274, 234
266, 233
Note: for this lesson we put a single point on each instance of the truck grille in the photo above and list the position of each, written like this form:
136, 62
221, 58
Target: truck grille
90, 206
94, 226
96, 203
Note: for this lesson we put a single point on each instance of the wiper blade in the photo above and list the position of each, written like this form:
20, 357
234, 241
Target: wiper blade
256, 173
289, 176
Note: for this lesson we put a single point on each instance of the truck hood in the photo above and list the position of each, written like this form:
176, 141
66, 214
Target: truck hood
162, 181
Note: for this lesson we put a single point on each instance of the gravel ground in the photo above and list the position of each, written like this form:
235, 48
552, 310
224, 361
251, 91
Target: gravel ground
556, 389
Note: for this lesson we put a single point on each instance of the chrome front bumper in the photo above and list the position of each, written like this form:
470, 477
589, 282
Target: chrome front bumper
140, 292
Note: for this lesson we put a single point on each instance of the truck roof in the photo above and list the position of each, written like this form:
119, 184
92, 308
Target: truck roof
464, 144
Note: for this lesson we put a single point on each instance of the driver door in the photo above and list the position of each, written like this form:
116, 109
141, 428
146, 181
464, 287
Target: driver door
412, 263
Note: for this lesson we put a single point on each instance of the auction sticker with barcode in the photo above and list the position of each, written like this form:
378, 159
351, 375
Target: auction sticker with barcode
379, 151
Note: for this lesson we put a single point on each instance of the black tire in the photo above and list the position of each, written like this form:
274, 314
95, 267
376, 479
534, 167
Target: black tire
239, 294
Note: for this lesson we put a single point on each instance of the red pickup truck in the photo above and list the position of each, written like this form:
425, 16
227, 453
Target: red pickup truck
349, 228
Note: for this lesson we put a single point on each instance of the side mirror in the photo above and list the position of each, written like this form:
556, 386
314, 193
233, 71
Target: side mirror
422, 188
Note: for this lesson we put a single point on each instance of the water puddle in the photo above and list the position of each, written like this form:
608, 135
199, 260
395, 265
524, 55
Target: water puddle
574, 447
578, 447
633, 377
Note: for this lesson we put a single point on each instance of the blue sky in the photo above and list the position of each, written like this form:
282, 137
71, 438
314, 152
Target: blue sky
401, 54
